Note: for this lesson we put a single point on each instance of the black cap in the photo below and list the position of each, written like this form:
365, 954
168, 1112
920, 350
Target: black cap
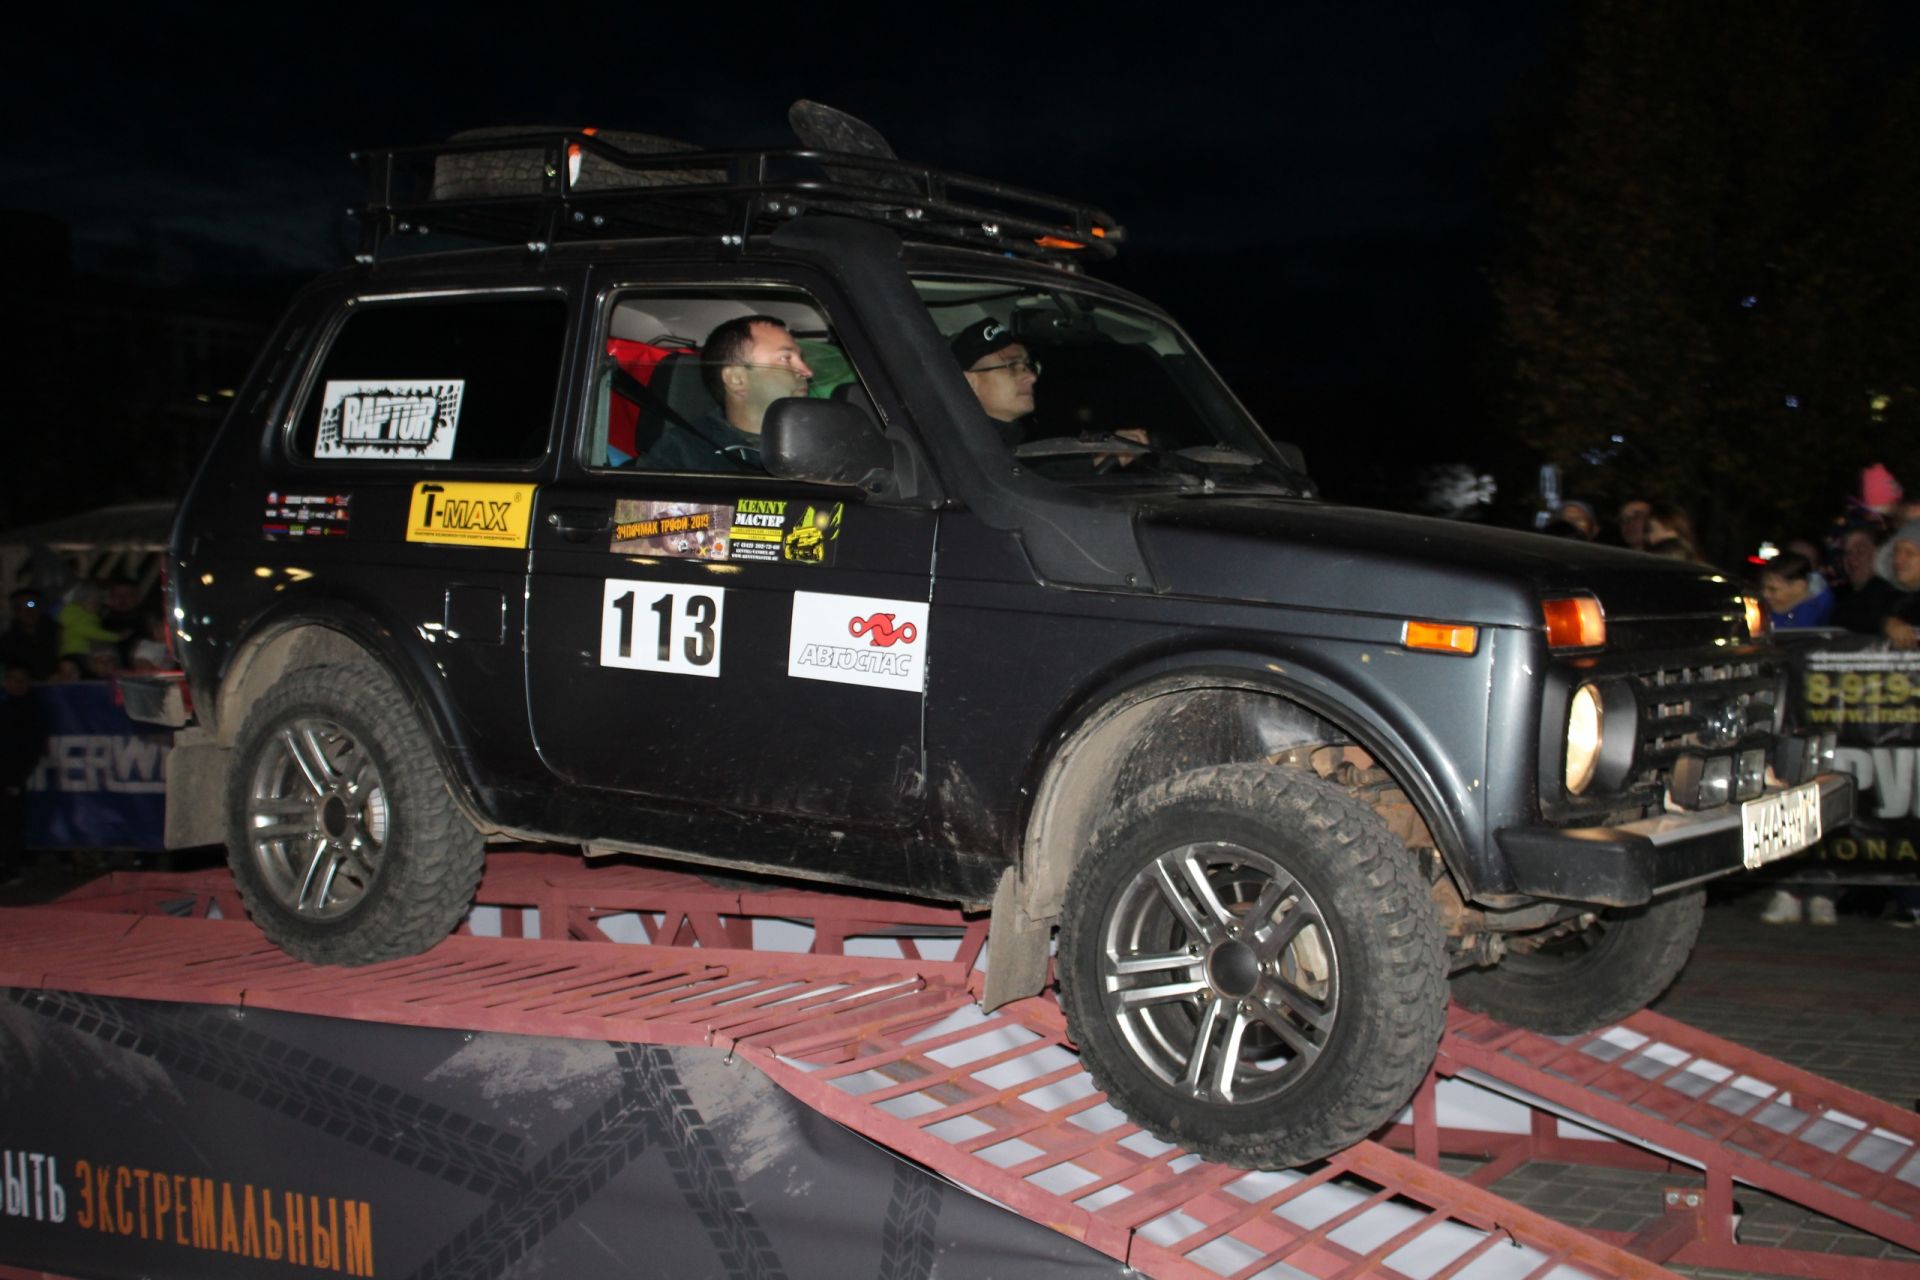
981, 338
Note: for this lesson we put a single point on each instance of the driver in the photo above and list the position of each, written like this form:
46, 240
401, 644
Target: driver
1001, 373
1003, 376
748, 363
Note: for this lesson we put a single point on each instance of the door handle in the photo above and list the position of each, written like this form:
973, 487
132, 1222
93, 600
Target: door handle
576, 524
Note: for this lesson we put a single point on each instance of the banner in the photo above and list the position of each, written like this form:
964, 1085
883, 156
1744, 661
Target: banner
190, 1142
102, 781
1869, 697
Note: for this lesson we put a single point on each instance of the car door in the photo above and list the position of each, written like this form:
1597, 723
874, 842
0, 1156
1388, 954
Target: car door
723, 641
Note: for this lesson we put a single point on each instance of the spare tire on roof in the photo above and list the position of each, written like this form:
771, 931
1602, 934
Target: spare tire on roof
523, 171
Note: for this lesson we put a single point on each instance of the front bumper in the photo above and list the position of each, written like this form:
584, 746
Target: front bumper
1626, 865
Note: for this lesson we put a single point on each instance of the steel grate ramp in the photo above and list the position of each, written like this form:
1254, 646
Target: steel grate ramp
1736, 1114
893, 1044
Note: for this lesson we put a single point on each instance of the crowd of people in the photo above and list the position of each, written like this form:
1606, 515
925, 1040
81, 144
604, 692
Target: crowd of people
1861, 574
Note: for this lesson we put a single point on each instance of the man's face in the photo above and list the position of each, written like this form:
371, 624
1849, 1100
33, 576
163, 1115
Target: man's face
1780, 592
1579, 518
1906, 565
1633, 523
1856, 557
772, 370
18, 683
1004, 381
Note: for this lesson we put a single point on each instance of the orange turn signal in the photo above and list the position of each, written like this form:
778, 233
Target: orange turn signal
1441, 637
1574, 623
1055, 242
1757, 620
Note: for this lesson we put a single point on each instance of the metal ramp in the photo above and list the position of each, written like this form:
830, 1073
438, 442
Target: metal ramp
871, 1019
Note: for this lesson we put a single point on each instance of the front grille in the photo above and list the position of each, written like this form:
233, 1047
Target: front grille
1713, 709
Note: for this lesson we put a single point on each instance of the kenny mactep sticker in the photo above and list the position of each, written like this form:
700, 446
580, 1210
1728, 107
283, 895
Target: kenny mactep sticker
470, 515
858, 640
406, 418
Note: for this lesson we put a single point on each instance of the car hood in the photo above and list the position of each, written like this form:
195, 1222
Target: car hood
1314, 554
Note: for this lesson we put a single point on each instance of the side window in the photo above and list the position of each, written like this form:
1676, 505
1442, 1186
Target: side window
442, 379
685, 376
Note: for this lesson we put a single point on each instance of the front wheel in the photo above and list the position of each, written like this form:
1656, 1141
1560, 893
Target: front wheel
1250, 965
1590, 971
345, 843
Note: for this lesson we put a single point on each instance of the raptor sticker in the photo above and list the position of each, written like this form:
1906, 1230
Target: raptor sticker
474, 515
858, 640
406, 418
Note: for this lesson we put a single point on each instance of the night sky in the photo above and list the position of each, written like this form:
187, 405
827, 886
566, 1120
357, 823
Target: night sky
1315, 191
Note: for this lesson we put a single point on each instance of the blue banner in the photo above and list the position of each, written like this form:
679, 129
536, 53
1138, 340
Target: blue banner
102, 782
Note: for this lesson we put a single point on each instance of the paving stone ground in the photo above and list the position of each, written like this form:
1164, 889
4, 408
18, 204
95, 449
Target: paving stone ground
1842, 1001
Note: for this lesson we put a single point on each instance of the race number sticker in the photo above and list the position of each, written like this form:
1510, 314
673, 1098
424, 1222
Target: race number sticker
406, 418
658, 626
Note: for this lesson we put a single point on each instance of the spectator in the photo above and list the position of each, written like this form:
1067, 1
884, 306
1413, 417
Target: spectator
80, 625
1795, 594
1632, 523
1669, 532
122, 613
1899, 563
32, 638
67, 671
103, 662
150, 652
1863, 596
1580, 516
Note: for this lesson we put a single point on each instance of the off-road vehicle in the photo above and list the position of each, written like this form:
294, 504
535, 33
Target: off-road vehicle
1277, 773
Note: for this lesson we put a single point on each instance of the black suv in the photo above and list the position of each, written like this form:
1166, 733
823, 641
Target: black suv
1282, 772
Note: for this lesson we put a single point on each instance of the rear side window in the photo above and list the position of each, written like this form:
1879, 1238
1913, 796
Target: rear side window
438, 380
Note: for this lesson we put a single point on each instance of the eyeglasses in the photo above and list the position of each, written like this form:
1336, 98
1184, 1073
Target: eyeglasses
1017, 368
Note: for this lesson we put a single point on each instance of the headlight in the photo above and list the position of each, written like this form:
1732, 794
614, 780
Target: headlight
1584, 718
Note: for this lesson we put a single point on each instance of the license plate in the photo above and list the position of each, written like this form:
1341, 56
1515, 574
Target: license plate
1774, 826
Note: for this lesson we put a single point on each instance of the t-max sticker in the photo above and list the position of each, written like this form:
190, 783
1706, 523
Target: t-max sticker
306, 515
773, 530
407, 418
482, 515
858, 640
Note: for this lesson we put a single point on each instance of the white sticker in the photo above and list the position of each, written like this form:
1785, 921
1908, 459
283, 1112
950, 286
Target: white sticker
655, 626
407, 418
858, 640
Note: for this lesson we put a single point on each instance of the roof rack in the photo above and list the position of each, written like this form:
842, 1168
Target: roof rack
542, 187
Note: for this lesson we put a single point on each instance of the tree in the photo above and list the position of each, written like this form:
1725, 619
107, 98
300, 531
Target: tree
1712, 271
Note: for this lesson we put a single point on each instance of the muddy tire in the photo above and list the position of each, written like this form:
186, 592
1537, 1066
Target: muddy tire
1250, 965
1576, 981
345, 843
524, 172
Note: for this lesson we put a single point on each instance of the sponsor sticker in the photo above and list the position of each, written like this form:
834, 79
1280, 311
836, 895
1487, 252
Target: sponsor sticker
405, 418
306, 515
478, 515
680, 530
767, 530
858, 640
784, 530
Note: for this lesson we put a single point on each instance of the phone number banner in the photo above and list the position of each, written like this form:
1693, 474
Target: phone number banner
1869, 697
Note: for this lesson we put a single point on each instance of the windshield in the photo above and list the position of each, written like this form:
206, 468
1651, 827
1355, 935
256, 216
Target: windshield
1088, 391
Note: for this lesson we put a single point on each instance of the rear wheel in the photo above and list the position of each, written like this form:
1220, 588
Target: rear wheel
1250, 965
1588, 972
344, 841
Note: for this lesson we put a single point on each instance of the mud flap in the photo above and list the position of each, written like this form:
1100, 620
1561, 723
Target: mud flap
1016, 947
196, 790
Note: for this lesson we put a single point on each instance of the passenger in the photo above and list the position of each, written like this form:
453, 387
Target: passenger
747, 364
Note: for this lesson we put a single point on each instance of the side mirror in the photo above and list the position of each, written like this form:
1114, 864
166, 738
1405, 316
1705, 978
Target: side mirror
825, 441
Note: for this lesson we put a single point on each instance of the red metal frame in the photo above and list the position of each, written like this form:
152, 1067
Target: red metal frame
896, 1048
